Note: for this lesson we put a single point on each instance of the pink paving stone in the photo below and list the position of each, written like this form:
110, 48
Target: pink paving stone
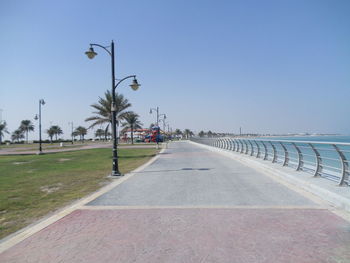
189, 235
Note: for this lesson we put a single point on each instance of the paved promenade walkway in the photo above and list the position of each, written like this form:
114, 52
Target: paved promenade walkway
193, 205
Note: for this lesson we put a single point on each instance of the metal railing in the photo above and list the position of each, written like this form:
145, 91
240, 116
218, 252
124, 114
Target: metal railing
325, 159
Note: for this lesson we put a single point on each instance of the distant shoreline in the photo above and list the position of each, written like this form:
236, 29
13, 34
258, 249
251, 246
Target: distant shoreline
308, 135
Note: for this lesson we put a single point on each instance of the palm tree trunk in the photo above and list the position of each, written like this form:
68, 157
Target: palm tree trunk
27, 136
132, 135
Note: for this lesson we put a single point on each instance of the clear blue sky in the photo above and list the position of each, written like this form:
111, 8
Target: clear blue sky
267, 66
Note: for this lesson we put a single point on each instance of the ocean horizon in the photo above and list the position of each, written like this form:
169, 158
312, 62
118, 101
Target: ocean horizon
319, 138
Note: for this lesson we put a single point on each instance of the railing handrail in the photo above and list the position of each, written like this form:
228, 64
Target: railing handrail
283, 151
290, 141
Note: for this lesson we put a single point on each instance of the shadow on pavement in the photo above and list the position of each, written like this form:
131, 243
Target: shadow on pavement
183, 169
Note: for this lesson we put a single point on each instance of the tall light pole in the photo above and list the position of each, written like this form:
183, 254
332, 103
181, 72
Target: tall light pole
135, 85
41, 102
164, 118
71, 123
158, 116
157, 111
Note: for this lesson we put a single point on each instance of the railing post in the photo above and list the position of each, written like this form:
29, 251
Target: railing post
258, 153
300, 157
226, 144
246, 147
265, 149
233, 144
319, 166
274, 158
345, 166
252, 150
236, 145
286, 157
241, 146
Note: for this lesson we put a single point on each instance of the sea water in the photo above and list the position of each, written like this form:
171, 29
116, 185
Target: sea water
323, 138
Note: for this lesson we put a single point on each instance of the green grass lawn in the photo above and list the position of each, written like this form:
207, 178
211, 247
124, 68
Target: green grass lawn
35, 146
32, 186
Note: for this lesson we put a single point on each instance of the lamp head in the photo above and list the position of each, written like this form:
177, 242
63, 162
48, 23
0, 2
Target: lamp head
36, 117
91, 53
135, 85
42, 102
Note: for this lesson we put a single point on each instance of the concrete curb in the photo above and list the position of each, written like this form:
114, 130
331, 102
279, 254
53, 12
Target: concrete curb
30, 230
335, 195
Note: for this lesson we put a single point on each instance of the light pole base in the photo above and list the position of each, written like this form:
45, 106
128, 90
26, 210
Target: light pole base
116, 174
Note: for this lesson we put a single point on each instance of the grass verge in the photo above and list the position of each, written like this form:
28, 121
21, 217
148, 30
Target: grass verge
32, 186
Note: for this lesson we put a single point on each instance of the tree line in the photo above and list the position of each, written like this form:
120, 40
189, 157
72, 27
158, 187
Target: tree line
27, 126
102, 116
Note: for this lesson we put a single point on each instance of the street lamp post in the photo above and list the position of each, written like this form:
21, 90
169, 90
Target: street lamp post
41, 102
164, 118
158, 116
157, 111
135, 85
71, 123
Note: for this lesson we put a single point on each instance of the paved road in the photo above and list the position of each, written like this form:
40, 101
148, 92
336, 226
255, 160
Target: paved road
193, 205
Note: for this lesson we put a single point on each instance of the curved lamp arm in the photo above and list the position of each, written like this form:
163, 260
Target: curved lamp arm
128, 77
105, 48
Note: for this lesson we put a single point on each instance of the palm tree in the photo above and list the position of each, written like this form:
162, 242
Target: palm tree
131, 122
178, 132
3, 130
81, 131
187, 133
56, 130
17, 135
201, 134
75, 134
210, 134
51, 133
99, 133
103, 107
26, 126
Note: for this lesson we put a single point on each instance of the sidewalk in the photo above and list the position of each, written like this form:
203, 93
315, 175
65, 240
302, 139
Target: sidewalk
330, 191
